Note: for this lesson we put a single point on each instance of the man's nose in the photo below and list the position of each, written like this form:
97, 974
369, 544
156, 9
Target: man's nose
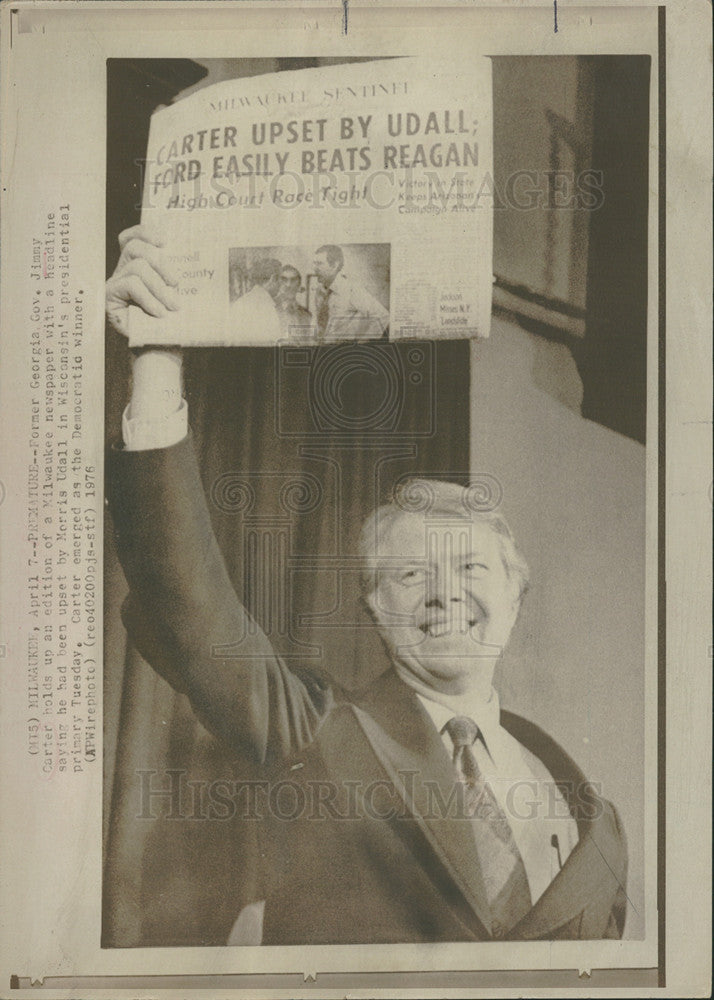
442, 591
440, 601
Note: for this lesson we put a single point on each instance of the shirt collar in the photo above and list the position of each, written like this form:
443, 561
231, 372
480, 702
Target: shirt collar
486, 714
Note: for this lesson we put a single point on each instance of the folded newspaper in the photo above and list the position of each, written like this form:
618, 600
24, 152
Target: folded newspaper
318, 205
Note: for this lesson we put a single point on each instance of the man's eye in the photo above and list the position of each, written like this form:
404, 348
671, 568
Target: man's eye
475, 567
411, 576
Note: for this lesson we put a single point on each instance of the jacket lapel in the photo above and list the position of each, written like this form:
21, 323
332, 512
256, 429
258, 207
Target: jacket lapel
596, 868
590, 875
411, 751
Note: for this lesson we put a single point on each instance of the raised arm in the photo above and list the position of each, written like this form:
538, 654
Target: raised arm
182, 612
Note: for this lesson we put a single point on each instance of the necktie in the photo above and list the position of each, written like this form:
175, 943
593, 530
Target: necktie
323, 312
502, 867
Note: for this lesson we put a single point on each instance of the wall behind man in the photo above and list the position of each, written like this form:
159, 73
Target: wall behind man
571, 185
542, 138
573, 492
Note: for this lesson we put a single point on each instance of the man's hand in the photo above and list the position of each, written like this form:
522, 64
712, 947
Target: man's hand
143, 277
146, 278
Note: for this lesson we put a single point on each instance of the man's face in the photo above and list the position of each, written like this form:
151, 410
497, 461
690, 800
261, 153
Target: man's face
289, 285
272, 286
444, 603
323, 269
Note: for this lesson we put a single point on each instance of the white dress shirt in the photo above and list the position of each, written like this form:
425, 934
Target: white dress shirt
522, 786
353, 313
254, 316
157, 416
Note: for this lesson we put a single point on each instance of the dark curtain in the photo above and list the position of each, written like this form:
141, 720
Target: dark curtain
295, 445
613, 359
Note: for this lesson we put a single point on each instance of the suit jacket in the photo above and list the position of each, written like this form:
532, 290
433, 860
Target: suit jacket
372, 851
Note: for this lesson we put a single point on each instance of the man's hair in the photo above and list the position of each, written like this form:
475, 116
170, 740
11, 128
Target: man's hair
438, 501
333, 253
264, 269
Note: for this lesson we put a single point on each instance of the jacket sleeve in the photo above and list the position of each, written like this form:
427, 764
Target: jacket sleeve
366, 303
185, 618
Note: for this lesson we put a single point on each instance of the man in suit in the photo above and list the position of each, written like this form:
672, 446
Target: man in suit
421, 811
345, 310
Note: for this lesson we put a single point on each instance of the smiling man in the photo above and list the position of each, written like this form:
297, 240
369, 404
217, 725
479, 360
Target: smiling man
445, 587
422, 811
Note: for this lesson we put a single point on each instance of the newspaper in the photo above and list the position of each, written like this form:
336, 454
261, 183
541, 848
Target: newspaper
575, 408
377, 161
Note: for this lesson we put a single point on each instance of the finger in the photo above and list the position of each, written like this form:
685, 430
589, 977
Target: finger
155, 284
143, 297
119, 320
137, 249
131, 290
165, 293
141, 232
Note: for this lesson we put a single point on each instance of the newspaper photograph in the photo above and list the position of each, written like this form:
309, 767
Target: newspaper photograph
329, 305
346, 452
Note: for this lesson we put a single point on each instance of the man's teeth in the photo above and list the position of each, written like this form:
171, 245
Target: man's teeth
438, 629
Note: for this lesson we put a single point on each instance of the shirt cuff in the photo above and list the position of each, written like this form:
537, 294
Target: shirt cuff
154, 432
